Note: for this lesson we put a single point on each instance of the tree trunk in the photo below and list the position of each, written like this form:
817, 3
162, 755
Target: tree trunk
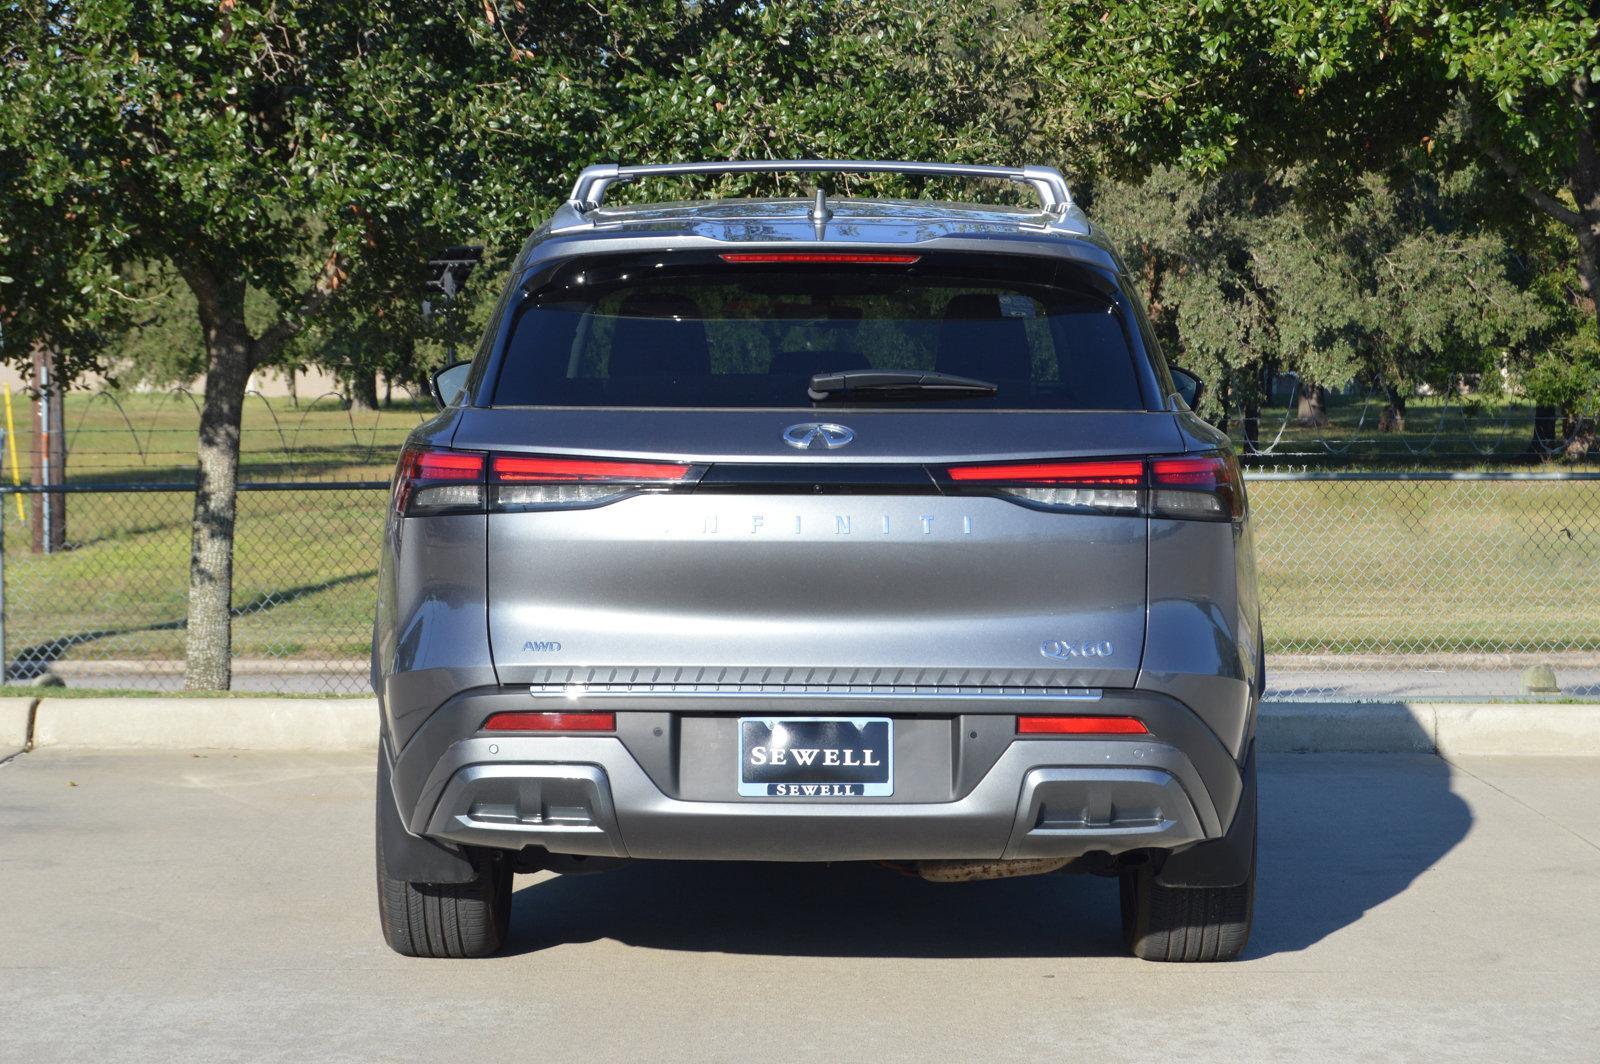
1393, 418
1544, 441
1579, 437
1313, 409
209, 654
1252, 425
364, 391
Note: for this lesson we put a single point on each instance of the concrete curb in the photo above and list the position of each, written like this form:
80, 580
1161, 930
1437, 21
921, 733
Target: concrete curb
15, 716
207, 723
1446, 728
352, 724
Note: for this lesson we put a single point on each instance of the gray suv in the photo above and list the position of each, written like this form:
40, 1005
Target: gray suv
818, 529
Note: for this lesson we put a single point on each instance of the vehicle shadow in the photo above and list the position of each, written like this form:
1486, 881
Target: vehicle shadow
825, 910
1340, 834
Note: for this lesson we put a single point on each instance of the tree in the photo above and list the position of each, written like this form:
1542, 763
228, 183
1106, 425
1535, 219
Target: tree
257, 149
1345, 89
316, 153
1400, 287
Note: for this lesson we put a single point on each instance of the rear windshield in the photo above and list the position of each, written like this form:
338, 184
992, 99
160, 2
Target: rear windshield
716, 334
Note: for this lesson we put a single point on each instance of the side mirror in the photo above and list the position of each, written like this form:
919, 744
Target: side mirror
1190, 388
448, 384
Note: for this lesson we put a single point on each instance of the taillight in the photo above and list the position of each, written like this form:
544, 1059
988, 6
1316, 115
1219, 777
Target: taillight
551, 722
437, 481
1042, 725
1111, 487
1206, 488
434, 481
519, 483
1197, 488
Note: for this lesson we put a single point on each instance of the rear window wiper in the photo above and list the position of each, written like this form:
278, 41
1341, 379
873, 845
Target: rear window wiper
894, 383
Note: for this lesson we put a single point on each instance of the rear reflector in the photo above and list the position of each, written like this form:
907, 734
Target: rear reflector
552, 722
1081, 726
836, 258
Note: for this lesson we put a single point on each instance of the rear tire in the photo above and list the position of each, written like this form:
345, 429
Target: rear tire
1162, 923
458, 920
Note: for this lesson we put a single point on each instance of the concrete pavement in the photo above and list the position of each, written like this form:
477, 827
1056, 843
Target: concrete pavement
213, 906
351, 724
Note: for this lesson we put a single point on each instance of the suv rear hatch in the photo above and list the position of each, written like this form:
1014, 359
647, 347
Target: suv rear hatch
671, 503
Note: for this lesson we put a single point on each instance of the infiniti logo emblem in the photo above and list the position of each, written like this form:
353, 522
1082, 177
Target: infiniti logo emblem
811, 434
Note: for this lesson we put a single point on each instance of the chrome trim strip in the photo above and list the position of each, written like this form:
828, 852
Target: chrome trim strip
1070, 694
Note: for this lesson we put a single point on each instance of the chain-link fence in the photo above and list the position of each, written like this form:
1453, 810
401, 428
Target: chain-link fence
1407, 585
105, 606
1373, 585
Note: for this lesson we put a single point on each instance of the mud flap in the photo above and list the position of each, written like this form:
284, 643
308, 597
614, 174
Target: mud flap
411, 857
1224, 862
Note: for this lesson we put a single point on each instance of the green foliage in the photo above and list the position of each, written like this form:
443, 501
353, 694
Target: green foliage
1210, 84
1337, 93
279, 144
1399, 290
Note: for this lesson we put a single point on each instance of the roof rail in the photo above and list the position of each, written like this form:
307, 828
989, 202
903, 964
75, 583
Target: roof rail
589, 191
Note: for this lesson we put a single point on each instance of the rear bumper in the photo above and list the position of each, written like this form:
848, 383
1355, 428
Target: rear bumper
1049, 798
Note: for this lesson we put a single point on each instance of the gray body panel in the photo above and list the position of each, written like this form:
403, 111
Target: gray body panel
872, 583
681, 611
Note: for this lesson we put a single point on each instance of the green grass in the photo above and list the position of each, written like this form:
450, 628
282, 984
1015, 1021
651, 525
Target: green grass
113, 437
1428, 566
1438, 433
305, 576
1344, 567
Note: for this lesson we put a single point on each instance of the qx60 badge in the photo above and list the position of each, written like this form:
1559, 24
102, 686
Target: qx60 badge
1068, 649
812, 434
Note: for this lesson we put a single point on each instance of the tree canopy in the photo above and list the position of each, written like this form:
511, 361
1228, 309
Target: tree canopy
305, 157
1390, 189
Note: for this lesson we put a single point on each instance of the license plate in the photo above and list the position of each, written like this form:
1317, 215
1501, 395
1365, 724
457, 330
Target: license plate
816, 757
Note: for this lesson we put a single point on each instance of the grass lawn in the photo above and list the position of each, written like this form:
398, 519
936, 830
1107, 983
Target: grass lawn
151, 437
305, 575
1359, 566
1439, 431
1345, 567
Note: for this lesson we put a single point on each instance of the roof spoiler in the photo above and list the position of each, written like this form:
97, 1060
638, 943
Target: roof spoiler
589, 191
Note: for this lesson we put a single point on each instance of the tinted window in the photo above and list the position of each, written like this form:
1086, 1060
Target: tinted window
639, 334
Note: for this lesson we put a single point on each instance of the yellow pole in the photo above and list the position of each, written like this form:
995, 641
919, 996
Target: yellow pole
16, 469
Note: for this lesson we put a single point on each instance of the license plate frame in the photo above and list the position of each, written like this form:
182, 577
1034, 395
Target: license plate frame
820, 776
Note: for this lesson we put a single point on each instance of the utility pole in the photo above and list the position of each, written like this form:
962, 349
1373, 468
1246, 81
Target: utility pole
49, 453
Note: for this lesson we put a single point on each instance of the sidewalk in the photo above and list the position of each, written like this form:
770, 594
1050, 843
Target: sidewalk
335, 724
